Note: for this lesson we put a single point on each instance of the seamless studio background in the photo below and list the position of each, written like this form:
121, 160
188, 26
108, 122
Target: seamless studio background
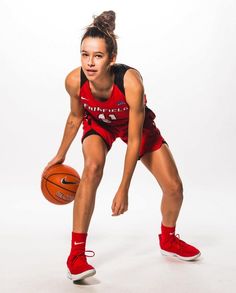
185, 51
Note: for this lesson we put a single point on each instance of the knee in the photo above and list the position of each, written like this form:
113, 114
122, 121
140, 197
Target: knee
93, 171
174, 189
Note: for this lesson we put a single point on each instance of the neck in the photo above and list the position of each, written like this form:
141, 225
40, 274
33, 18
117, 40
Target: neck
104, 83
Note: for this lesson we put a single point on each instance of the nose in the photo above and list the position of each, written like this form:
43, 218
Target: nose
90, 62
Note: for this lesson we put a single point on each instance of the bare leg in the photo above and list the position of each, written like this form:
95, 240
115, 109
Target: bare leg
94, 151
161, 164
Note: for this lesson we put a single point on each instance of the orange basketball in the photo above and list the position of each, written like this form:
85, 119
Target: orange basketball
59, 184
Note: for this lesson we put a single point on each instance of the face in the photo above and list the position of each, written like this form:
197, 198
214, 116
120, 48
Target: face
95, 59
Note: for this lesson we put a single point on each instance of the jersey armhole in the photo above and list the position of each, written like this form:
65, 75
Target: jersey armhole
83, 77
119, 71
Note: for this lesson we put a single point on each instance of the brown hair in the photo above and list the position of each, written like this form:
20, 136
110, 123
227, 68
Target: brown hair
103, 27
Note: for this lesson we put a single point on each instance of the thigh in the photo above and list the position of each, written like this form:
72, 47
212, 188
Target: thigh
94, 150
162, 165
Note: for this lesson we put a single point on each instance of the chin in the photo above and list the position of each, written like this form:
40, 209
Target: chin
90, 76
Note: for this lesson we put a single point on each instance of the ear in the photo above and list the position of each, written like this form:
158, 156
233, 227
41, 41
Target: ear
113, 60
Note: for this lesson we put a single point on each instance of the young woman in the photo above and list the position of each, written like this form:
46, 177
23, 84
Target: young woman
109, 100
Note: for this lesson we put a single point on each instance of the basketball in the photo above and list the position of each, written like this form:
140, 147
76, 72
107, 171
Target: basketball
59, 184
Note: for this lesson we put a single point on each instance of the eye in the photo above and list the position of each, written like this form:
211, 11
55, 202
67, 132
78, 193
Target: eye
98, 56
84, 54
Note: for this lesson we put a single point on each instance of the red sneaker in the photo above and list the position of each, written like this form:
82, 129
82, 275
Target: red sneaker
78, 268
173, 246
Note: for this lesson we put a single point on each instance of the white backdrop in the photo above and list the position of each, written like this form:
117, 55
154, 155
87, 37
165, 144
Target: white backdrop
185, 51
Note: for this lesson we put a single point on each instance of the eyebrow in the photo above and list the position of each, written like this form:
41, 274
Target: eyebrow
98, 52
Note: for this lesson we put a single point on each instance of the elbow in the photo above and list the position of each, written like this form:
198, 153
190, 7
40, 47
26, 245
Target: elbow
134, 142
74, 121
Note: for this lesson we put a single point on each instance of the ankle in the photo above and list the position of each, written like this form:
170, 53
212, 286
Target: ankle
81, 237
166, 231
78, 242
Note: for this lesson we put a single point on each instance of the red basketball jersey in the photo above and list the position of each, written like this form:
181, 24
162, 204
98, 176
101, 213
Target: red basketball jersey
114, 111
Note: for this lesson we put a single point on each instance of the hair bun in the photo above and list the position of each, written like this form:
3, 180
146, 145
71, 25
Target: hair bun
105, 21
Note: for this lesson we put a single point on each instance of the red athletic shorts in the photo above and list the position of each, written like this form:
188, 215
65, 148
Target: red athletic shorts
151, 138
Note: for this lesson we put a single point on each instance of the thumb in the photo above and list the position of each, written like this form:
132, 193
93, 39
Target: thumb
113, 205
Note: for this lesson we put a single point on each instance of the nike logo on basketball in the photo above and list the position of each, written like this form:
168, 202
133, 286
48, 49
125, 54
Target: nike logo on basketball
77, 243
63, 181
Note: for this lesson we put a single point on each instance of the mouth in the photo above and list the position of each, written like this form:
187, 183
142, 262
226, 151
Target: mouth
91, 71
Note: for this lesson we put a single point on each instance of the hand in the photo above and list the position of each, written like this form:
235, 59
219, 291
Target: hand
120, 203
54, 161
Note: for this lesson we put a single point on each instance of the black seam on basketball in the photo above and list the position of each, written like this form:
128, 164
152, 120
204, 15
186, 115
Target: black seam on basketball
64, 174
59, 185
55, 198
60, 173
50, 195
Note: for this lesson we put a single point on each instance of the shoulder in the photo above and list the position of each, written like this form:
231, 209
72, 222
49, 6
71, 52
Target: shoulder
72, 82
134, 90
133, 79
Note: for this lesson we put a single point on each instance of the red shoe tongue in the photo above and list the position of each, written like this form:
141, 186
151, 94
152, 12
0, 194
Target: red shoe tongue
168, 237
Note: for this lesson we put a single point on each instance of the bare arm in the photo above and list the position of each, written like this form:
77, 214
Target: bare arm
134, 92
134, 97
72, 84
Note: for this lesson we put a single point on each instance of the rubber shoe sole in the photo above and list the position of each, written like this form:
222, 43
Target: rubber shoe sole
167, 253
81, 276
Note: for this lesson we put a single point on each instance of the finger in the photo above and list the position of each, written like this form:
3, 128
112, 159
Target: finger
113, 206
115, 209
118, 212
45, 169
122, 211
115, 213
125, 209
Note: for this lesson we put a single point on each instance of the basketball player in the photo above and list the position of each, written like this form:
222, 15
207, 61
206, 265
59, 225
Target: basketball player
108, 99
